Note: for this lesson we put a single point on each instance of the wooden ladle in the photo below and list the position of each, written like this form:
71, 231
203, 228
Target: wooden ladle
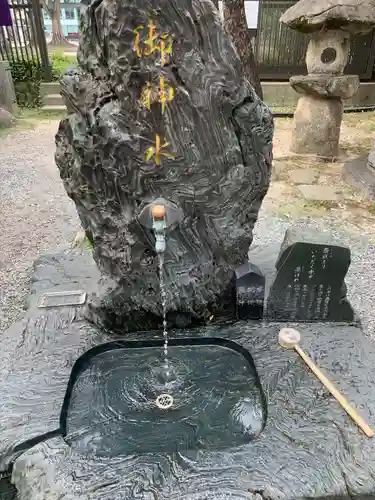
290, 338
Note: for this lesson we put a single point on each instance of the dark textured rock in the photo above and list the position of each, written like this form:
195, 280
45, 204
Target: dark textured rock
355, 16
7, 489
309, 284
342, 87
309, 449
218, 131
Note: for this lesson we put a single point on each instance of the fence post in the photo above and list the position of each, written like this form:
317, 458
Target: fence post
41, 39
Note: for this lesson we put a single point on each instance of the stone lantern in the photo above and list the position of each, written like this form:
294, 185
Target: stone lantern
318, 116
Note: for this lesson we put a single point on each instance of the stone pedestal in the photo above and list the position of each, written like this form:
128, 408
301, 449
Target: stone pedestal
316, 126
318, 116
6, 119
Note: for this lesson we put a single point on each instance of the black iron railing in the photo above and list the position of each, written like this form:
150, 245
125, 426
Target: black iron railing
25, 40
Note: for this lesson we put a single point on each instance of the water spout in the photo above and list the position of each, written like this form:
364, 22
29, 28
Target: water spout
159, 225
160, 211
159, 216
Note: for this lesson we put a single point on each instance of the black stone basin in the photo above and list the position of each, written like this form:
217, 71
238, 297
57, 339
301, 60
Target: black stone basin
7, 489
309, 448
110, 410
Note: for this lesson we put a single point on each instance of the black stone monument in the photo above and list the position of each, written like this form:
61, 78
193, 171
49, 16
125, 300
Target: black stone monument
309, 283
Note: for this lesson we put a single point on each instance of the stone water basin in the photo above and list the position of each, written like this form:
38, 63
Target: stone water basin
110, 407
309, 448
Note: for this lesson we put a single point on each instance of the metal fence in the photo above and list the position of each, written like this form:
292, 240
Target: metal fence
25, 39
280, 51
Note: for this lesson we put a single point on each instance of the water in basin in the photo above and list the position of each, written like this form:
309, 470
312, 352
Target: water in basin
217, 401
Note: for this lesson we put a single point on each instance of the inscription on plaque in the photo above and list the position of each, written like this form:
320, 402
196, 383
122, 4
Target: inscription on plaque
309, 284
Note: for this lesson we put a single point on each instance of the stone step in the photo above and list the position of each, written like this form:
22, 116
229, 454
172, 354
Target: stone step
52, 100
53, 107
50, 88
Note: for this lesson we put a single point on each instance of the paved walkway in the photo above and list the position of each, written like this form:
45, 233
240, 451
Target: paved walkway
36, 215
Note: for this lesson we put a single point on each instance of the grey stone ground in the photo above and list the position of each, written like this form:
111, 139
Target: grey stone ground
36, 216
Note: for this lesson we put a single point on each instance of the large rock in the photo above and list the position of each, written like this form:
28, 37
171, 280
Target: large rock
354, 16
215, 162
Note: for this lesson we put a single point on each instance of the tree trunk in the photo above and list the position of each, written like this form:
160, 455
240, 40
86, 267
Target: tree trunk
236, 25
58, 37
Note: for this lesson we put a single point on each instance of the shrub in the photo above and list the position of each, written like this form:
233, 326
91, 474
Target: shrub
27, 76
61, 63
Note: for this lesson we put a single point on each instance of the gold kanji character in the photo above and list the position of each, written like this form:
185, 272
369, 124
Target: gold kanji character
163, 94
154, 42
156, 151
137, 41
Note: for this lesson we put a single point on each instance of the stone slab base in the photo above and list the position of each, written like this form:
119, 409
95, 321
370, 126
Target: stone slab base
309, 449
356, 173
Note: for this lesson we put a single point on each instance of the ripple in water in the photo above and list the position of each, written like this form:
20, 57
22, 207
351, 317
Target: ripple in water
216, 405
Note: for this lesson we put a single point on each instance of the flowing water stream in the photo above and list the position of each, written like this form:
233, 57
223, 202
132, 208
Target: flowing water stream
163, 295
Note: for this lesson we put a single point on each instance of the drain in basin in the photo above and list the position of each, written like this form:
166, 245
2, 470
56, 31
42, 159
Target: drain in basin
164, 401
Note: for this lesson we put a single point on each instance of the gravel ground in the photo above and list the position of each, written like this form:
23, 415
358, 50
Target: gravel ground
36, 216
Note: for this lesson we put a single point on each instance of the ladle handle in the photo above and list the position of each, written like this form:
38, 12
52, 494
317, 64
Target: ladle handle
335, 393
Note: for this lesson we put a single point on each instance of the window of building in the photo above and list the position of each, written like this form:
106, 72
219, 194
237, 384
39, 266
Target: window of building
69, 14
